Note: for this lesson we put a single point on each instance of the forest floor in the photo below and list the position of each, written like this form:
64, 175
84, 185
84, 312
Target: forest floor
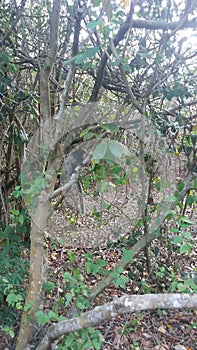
101, 237
147, 330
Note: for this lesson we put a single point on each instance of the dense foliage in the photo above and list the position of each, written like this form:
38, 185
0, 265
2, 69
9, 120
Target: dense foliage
132, 68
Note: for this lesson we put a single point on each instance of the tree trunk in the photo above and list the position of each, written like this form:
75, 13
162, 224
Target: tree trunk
37, 276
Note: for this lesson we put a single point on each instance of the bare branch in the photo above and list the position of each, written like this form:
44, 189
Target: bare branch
71, 70
119, 36
156, 25
73, 179
49, 62
119, 306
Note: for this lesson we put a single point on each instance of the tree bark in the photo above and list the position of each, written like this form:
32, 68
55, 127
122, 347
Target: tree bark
41, 212
36, 275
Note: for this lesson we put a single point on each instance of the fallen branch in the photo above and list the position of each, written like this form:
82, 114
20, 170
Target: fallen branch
119, 306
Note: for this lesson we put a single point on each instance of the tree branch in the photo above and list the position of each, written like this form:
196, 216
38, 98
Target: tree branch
154, 25
119, 36
139, 23
71, 70
119, 306
49, 62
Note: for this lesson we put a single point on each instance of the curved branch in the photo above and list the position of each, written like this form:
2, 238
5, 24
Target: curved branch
119, 306
119, 36
143, 24
154, 25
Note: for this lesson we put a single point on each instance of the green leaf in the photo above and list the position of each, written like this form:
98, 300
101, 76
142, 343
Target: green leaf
127, 255
9, 331
111, 127
106, 31
177, 240
181, 288
187, 220
49, 286
89, 267
86, 130
89, 136
68, 298
183, 225
187, 235
101, 263
190, 282
171, 198
121, 281
67, 276
41, 317
28, 307
71, 256
194, 325
127, 68
53, 316
173, 286
14, 211
180, 186
13, 68
185, 248
80, 305
68, 340
191, 199
120, 269
135, 169
84, 335
80, 58
89, 256
21, 219
96, 3
89, 53
94, 24
100, 151
69, 60
158, 184
174, 230
92, 51
5, 57
13, 298
118, 149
